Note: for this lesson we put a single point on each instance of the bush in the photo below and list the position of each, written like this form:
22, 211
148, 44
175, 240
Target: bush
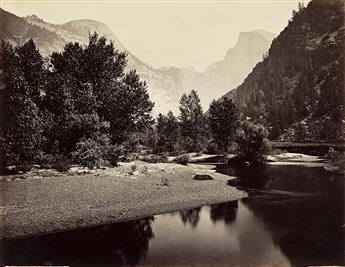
45, 160
155, 158
183, 159
252, 142
113, 154
211, 148
336, 160
133, 168
61, 163
96, 152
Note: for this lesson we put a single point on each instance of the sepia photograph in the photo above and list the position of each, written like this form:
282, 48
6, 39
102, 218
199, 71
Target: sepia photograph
172, 133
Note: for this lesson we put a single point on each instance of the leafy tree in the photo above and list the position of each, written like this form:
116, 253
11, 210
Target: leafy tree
129, 108
252, 142
21, 124
82, 102
31, 63
93, 91
168, 132
223, 121
192, 122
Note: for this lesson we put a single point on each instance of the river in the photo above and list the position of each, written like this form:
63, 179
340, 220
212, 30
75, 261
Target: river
293, 216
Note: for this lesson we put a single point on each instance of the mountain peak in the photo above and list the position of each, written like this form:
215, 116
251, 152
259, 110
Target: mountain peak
246, 36
33, 19
83, 26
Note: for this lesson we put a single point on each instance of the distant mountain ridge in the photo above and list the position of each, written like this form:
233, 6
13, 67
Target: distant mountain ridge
165, 85
238, 62
297, 92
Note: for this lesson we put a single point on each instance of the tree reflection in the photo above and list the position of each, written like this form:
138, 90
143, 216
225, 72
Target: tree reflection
225, 211
191, 216
307, 227
116, 244
247, 177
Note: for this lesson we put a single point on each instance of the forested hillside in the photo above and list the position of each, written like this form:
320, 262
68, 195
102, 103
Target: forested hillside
297, 92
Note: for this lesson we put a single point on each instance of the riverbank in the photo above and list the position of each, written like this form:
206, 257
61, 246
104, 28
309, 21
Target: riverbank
44, 201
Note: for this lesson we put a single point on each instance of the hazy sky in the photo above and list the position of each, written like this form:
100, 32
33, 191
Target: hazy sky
169, 33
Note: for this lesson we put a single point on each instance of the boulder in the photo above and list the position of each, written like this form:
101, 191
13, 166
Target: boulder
202, 177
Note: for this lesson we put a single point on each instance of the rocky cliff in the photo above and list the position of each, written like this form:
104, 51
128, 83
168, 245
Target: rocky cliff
297, 92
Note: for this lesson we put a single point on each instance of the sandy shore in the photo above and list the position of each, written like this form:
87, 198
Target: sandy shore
41, 202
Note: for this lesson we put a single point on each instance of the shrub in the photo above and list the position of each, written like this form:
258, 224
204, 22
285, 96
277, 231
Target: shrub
182, 159
45, 160
336, 160
252, 143
97, 151
24, 166
155, 158
113, 154
61, 163
145, 170
133, 168
211, 148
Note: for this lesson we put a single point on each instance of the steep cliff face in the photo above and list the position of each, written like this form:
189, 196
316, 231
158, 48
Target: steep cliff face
238, 62
298, 90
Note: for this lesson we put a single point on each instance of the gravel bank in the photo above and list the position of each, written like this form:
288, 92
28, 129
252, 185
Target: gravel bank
32, 204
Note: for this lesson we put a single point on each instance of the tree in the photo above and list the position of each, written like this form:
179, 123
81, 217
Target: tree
93, 91
252, 142
31, 63
192, 122
21, 124
82, 102
300, 6
168, 132
129, 108
223, 121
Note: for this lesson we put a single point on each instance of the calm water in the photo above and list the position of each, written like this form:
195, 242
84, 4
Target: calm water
294, 216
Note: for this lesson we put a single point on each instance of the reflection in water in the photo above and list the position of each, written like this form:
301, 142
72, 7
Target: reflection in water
191, 216
225, 211
242, 242
279, 224
303, 208
116, 244
288, 178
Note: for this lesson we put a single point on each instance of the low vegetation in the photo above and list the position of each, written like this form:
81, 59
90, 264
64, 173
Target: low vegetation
336, 160
182, 159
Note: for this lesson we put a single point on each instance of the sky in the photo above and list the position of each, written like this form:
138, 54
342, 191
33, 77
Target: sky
165, 32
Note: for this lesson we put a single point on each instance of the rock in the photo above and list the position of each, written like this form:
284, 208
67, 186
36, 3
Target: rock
233, 182
202, 177
85, 171
136, 173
